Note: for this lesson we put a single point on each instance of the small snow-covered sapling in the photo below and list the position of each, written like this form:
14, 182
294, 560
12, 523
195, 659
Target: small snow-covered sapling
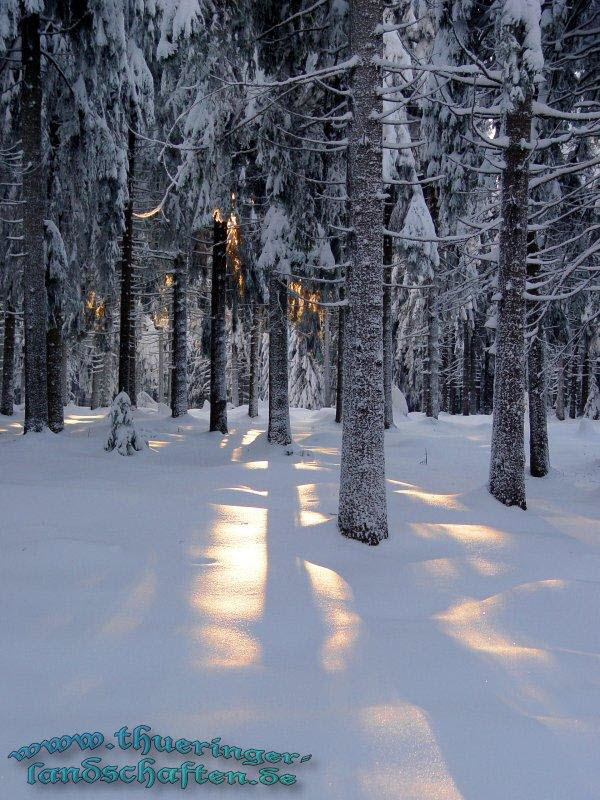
123, 436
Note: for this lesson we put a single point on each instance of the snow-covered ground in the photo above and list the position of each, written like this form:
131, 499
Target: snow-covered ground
202, 588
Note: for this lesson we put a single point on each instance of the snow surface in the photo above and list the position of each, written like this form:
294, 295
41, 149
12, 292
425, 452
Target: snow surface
201, 587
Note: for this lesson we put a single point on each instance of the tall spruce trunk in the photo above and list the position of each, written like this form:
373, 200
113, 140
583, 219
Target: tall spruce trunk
339, 396
388, 344
127, 331
279, 431
539, 458
507, 463
255, 332
487, 394
179, 389
574, 383
35, 302
560, 390
218, 332
585, 368
473, 405
538, 425
97, 366
466, 364
326, 359
432, 375
8, 361
54, 347
362, 506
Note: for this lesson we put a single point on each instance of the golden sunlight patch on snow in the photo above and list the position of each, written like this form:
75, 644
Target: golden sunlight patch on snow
307, 497
471, 622
406, 762
465, 534
334, 598
247, 490
309, 466
448, 501
247, 439
256, 465
230, 594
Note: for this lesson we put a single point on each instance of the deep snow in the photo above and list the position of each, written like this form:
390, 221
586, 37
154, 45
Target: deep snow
201, 587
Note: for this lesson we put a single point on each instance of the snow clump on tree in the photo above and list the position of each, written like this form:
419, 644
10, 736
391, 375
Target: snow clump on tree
123, 436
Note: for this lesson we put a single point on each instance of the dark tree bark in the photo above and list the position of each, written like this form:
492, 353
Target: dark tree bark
35, 305
560, 390
388, 347
574, 383
451, 378
127, 331
487, 394
179, 391
218, 332
466, 366
54, 344
507, 463
473, 406
585, 368
363, 506
255, 332
339, 395
280, 431
538, 428
8, 361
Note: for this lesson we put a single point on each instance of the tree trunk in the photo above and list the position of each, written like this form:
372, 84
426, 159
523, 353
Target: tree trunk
218, 332
326, 359
8, 361
279, 408
574, 383
127, 335
63, 372
507, 463
339, 397
35, 304
473, 407
487, 394
54, 346
560, 390
451, 378
179, 389
362, 506
585, 372
388, 344
538, 427
97, 370
255, 333
466, 364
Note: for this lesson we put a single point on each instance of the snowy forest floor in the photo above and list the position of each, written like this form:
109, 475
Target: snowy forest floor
202, 588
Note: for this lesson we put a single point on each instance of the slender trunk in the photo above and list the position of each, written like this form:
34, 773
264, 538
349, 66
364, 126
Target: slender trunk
97, 370
473, 407
160, 394
127, 337
585, 372
339, 396
35, 306
444, 376
466, 363
179, 389
574, 383
64, 364
560, 390
507, 463
218, 332
326, 359
388, 344
432, 406
255, 333
54, 346
362, 506
538, 428
452, 388
488, 383
8, 361
279, 408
